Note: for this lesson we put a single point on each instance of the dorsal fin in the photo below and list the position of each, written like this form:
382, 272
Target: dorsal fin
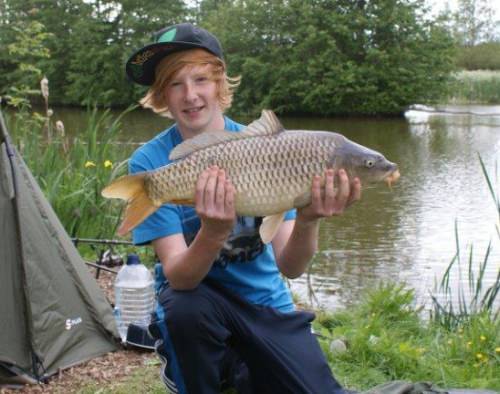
267, 124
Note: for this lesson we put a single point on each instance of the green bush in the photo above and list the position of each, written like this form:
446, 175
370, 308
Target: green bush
485, 56
333, 57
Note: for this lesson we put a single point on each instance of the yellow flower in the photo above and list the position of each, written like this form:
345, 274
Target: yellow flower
89, 164
479, 356
108, 164
469, 344
482, 338
497, 350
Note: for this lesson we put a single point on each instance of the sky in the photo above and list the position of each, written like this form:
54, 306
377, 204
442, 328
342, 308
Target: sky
439, 5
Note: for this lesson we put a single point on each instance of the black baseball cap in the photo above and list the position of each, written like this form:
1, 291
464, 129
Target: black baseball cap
141, 65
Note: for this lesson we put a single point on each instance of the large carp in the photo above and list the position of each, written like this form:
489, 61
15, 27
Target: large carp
271, 169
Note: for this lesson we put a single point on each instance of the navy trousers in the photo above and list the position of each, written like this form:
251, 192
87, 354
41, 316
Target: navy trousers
209, 335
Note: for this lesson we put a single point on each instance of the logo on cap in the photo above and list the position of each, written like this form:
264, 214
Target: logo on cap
143, 57
168, 35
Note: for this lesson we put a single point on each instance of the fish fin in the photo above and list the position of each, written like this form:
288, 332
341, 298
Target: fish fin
302, 200
270, 226
125, 187
131, 189
267, 124
138, 209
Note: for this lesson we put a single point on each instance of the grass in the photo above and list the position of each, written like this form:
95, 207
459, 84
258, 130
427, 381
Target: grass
475, 87
387, 340
144, 380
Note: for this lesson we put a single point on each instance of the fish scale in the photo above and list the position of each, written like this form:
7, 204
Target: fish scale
265, 175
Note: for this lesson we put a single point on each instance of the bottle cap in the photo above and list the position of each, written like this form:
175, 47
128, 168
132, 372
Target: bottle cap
133, 259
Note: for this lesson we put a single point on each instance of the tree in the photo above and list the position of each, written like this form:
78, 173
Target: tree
111, 31
89, 42
474, 22
58, 18
322, 57
333, 56
21, 60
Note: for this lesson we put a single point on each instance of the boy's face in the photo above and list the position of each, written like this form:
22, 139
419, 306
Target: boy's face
191, 97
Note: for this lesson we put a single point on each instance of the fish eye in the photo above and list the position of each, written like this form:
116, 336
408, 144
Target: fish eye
369, 163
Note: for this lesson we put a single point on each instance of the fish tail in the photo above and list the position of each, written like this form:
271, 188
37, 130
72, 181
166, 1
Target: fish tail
139, 206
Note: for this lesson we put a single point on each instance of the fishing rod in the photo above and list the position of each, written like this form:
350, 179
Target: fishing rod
76, 241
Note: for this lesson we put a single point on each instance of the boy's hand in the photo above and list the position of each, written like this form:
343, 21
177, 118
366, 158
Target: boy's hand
214, 203
330, 200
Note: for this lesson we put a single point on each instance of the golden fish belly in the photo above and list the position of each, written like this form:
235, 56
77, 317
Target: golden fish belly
269, 173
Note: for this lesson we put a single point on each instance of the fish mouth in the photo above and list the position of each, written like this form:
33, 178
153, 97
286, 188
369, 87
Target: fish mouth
392, 177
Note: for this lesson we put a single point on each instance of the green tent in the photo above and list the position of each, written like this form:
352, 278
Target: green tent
53, 313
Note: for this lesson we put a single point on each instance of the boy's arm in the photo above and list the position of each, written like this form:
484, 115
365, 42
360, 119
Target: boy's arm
297, 241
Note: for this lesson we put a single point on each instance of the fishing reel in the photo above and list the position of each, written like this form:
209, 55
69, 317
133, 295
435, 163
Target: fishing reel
109, 259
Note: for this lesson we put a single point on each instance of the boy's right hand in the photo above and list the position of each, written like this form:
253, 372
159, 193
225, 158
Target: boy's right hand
214, 203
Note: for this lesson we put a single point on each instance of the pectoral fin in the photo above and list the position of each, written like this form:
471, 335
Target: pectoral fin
270, 226
302, 200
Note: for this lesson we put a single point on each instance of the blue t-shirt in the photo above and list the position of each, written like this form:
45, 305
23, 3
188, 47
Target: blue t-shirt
245, 264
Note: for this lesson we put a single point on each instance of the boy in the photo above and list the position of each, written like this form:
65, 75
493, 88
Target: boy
224, 310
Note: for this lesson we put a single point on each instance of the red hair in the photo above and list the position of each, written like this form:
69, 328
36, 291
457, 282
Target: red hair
172, 64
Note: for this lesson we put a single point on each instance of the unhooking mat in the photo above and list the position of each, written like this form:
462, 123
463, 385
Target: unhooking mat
402, 387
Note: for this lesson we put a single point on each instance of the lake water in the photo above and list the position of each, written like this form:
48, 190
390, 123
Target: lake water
407, 233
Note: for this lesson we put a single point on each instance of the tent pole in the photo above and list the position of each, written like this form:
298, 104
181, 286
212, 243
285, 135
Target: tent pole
36, 360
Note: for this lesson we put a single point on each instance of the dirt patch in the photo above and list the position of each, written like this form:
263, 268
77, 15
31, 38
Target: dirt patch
104, 371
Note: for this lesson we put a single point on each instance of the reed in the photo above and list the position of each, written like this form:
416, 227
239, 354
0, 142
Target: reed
73, 171
474, 87
456, 308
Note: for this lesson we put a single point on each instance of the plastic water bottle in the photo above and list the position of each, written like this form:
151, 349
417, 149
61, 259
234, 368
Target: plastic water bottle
134, 295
